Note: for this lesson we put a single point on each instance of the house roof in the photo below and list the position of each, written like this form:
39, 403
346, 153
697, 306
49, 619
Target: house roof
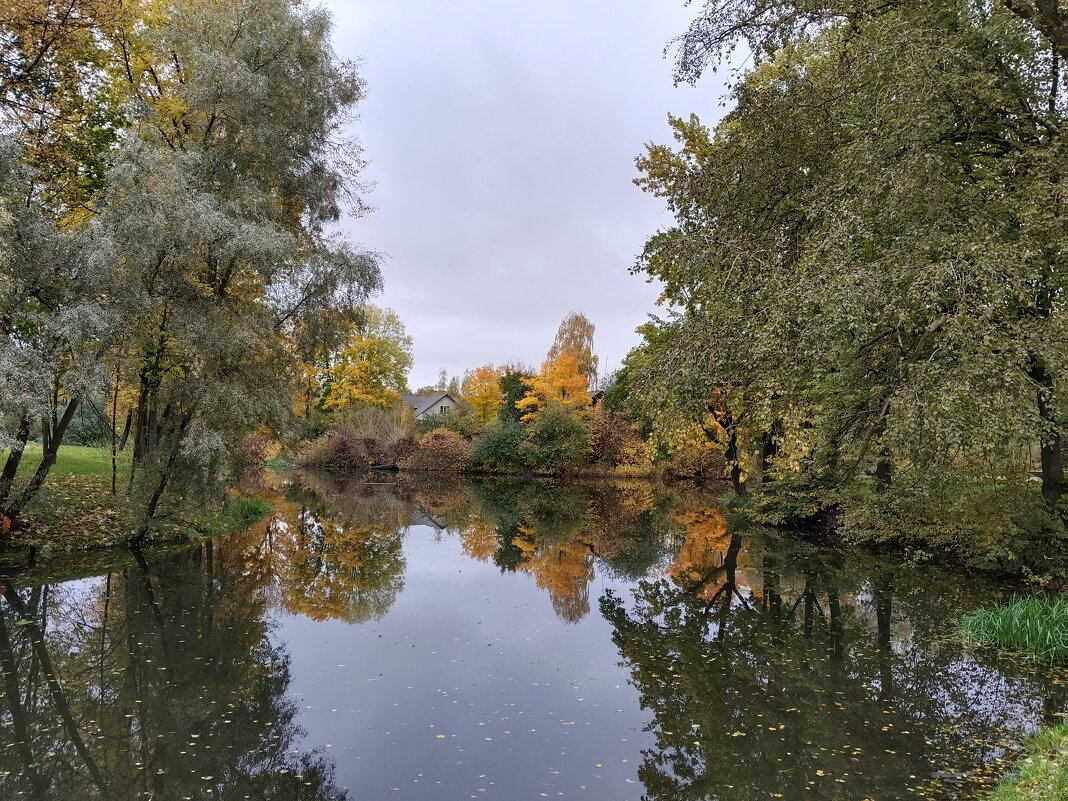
421, 404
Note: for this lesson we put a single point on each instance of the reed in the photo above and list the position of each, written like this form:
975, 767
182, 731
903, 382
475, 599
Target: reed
1036, 625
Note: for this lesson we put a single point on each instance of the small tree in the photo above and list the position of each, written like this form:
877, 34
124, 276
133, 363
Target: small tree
482, 388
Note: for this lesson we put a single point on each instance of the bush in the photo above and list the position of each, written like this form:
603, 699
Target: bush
439, 450
614, 442
363, 437
497, 449
461, 420
1036, 626
557, 440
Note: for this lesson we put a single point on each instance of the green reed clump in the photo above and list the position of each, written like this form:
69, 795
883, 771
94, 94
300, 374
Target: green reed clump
1036, 625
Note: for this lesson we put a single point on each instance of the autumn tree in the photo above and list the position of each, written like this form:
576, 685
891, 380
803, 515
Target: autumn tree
560, 380
207, 258
575, 336
372, 366
860, 278
482, 388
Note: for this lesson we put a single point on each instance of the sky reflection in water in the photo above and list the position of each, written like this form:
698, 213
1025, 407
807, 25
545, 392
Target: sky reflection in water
501, 640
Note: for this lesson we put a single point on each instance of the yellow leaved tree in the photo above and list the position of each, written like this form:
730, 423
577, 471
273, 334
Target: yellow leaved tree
371, 368
482, 389
561, 380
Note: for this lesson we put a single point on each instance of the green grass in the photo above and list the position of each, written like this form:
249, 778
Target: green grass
1036, 626
242, 512
1042, 775
75, 460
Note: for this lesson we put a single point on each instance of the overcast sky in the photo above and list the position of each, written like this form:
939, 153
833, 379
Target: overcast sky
501, 136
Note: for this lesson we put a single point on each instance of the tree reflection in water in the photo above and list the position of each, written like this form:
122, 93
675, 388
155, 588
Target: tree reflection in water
157, 682
766, 666
777, 671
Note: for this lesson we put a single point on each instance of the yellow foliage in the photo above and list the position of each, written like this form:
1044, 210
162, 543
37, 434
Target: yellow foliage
482, 389
558, 380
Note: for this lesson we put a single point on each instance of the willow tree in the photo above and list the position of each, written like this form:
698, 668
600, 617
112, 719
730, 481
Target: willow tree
871, 243
219, 212
212, 253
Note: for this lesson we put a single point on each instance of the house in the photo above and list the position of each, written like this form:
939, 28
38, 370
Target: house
424, 406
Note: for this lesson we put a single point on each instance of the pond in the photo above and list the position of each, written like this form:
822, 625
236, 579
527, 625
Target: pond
449, 640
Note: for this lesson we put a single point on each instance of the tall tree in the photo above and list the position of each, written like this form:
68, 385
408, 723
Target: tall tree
575, 336
864, 264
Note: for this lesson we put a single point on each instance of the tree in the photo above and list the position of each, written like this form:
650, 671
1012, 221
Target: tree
864, 288
482, 388
575, 336
206, 259
513, 384
372, 367
559, 380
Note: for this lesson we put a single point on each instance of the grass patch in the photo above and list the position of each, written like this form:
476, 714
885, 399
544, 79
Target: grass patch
1042, 775
242, 512
280, 464
1036, 626
75, 460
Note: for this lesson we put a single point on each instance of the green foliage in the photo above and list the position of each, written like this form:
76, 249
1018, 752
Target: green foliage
617, 391
514, 389
1036, 626
240, 513
497, 448
1042, 774
862, 291
557, 440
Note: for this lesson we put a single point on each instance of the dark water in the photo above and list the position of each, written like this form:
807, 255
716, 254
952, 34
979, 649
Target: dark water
509, 641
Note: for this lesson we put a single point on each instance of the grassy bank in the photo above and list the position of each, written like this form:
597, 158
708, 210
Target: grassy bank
1035, 626
1042, 774
76, 509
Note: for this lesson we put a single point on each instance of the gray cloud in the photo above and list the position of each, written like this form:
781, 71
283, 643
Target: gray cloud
502, 138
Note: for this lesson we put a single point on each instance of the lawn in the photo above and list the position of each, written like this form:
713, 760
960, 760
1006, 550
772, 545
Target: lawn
75, 460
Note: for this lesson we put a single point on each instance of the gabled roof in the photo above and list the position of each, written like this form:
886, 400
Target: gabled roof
421, 404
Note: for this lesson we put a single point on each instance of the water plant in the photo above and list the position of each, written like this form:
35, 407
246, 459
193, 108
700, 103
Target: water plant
1036, 625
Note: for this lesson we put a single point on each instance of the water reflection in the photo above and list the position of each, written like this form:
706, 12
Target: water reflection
714, 663
156, 681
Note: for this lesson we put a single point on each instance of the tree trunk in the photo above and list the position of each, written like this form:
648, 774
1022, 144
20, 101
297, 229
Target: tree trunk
1051, 453
55, 439
126, 431
11, 467
733, 455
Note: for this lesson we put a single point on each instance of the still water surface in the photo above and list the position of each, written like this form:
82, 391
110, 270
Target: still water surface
502, 640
